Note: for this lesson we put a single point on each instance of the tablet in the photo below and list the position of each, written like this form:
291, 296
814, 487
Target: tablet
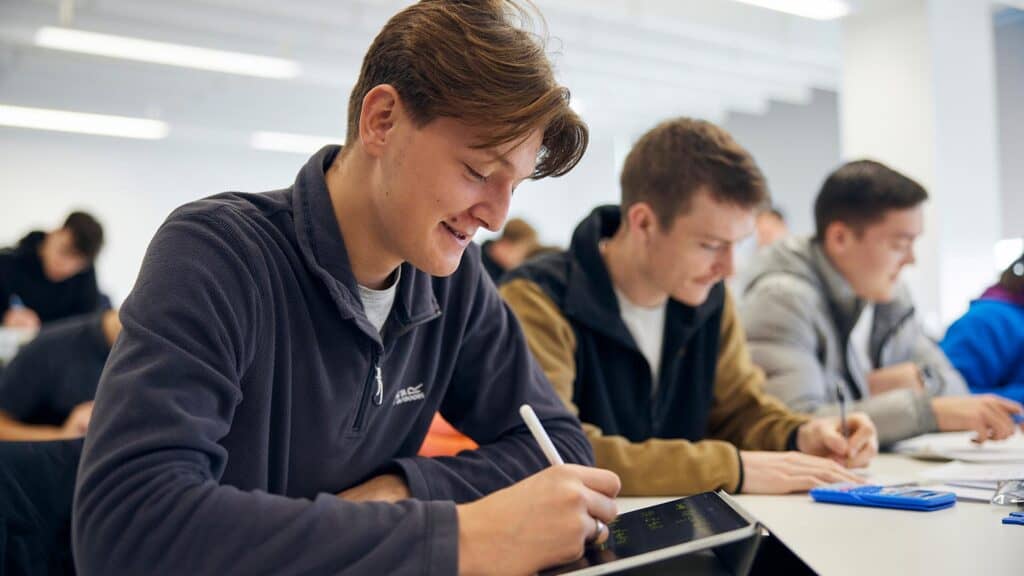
665, 531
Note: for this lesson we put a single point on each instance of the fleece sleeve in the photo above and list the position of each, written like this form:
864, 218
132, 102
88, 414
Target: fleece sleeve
148, 498
495, 374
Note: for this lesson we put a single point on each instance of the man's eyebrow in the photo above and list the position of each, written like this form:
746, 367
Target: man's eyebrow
500, 158
712, 237
493, 157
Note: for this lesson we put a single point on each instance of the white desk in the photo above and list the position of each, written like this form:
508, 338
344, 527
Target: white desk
835, 540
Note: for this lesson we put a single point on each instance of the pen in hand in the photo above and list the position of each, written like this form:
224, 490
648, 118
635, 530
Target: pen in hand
540, 435
549, 450
842, 419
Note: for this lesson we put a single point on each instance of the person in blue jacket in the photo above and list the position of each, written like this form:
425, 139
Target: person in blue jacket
283, 353
986, 344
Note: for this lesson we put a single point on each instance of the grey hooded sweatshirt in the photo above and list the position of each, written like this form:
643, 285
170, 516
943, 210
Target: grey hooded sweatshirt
798, 312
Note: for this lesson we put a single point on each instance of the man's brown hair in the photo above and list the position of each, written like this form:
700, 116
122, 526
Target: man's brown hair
860, 193
474, 60
1012, 279
680, 157
86, 234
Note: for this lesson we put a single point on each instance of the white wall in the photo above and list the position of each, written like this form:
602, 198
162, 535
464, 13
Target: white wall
1009, 41
796, 147
925, 105
130, 186
966, 191
629, 65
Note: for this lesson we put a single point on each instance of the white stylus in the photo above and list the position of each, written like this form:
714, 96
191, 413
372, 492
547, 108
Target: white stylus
540, 435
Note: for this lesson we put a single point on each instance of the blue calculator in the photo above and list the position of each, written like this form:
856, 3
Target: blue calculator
898, 497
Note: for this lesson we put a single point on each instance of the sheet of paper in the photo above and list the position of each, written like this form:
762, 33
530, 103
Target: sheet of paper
11, 339
963, 493
962, 472
958, 446
980, 485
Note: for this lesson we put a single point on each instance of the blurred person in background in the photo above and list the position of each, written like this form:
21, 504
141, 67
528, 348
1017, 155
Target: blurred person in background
50, 275
518, 239
770, 226
987, 343
46, 391
827, 315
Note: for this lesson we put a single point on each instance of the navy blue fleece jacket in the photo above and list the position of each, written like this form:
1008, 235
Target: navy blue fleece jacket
243, 394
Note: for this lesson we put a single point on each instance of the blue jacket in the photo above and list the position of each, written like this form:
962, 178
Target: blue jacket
987, 346
248, 388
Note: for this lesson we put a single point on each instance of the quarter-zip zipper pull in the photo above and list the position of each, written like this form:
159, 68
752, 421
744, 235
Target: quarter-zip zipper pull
378, 398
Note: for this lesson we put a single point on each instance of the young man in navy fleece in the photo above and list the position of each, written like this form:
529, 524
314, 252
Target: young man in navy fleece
283, 353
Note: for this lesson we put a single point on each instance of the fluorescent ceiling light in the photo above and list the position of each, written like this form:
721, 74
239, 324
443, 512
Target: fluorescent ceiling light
166, 53
64, 121
816, 9
296, 143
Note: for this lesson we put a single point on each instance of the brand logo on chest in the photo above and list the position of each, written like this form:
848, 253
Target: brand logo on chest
409, 394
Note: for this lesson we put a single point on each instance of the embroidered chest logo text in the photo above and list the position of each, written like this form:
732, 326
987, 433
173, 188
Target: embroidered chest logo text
410, 394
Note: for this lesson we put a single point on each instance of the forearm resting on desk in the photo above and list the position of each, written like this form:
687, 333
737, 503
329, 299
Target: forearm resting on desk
74, 427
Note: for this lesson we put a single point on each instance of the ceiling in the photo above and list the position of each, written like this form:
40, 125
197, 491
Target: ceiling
628, 63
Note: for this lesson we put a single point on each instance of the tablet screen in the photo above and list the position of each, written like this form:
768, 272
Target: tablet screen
661, 526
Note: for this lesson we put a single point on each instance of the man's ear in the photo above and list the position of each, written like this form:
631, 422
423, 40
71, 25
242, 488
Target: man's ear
838, 237
382, 108
642, 221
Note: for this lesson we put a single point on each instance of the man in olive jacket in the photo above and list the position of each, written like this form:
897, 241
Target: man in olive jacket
636, 331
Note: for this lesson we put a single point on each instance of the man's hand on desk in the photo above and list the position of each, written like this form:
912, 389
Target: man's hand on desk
383, 488
895, 377
21, 317
785, 472
824, 437
987, 414
78, 421
541, 521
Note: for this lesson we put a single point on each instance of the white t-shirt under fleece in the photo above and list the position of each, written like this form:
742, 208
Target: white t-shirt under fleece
647, 326
378, 303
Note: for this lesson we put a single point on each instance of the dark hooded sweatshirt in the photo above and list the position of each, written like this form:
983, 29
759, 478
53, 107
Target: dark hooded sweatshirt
494, 270
248, 388
708, 404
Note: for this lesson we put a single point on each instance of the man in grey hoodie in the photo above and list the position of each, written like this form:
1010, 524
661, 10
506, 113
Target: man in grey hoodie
827, 316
